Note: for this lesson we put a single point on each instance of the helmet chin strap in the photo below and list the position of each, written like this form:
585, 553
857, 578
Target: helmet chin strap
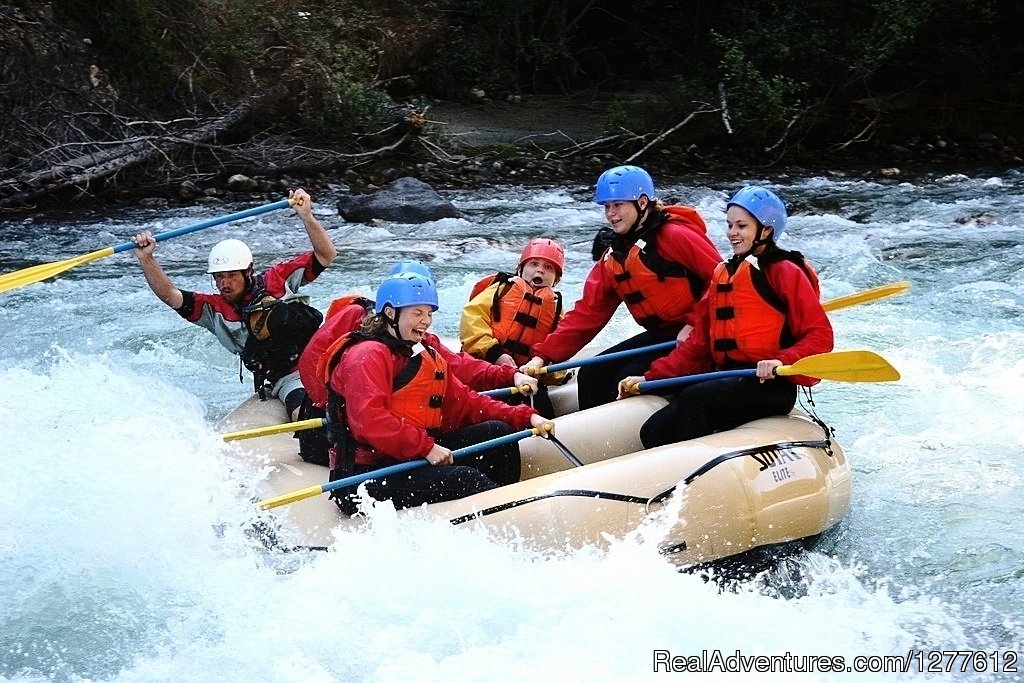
393, 322
759, 241
641, 214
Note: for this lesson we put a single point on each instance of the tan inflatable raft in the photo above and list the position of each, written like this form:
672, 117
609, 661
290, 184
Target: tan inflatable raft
767, 482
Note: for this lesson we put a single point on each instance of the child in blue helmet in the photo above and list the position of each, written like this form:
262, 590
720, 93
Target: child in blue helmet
762, 310
655, 258
394, 398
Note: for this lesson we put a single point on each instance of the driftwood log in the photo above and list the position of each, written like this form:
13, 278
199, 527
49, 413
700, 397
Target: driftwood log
105, 159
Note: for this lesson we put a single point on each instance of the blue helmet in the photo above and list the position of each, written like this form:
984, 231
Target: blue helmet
764, 205
412, 266
406, 289
624, 184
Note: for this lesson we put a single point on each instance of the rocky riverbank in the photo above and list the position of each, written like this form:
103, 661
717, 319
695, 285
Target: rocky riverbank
560, 140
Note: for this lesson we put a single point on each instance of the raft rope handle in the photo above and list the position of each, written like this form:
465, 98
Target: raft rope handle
809, 409
824, 445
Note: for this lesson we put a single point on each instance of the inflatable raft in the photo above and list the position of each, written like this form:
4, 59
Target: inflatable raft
767, 482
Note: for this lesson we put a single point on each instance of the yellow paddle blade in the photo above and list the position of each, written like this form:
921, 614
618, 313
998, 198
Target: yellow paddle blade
873, 294
843, 366
292, 497
312, 423
27, 276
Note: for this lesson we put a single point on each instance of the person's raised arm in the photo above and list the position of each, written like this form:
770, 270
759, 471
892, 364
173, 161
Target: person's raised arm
156, 278
323, 248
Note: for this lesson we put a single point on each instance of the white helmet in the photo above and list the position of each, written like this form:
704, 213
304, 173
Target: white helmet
229, 255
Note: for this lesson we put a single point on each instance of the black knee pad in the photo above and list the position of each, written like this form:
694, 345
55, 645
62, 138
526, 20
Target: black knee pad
313, 443
294, 399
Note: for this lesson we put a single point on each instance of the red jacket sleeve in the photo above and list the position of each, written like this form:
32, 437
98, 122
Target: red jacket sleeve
588, 316
463, 407
365, 375
296, 272
807, 319
475, 373
685, 246
694, 354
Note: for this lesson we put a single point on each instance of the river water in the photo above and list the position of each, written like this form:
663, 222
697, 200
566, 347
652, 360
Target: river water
122, 555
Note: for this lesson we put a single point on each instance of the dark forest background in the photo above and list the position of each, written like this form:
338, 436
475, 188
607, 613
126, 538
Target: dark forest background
102, 96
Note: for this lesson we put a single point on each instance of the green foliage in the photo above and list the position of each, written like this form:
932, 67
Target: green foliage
204, 52
501, 46
759, 105
463, 63
137, 38
618, 114
320, 49
895, 24
774, 58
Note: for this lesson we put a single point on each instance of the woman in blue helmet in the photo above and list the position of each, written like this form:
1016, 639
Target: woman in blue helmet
393, 398
761, 311
657, 259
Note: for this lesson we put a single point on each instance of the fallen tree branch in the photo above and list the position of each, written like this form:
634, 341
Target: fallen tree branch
785, 133
868, 130
668, 132
79, 173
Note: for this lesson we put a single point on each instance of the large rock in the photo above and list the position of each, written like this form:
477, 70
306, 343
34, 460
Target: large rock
406, 200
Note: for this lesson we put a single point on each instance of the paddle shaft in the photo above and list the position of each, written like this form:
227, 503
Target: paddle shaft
44, 271
391, 469
836, 304
615, 355
230, 218
312, 423
652, 384
841, 366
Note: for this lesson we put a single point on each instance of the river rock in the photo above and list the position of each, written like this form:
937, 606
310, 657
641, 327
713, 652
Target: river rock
406, 200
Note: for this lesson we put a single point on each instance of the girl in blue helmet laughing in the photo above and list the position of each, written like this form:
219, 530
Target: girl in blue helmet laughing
392, 398
761, 311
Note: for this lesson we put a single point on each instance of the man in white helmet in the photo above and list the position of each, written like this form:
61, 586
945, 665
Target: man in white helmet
259, 317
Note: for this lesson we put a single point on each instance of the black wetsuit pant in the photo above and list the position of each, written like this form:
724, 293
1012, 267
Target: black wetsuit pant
598, 384
433, 484
717, 405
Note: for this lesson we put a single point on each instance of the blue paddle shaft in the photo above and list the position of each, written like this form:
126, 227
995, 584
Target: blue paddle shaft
231, 217
421, 462
600, 358
693, 379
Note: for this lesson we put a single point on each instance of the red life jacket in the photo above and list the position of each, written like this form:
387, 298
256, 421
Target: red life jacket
334, 327
657, 292
521, 316
748, 319
417, 390
343, 302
